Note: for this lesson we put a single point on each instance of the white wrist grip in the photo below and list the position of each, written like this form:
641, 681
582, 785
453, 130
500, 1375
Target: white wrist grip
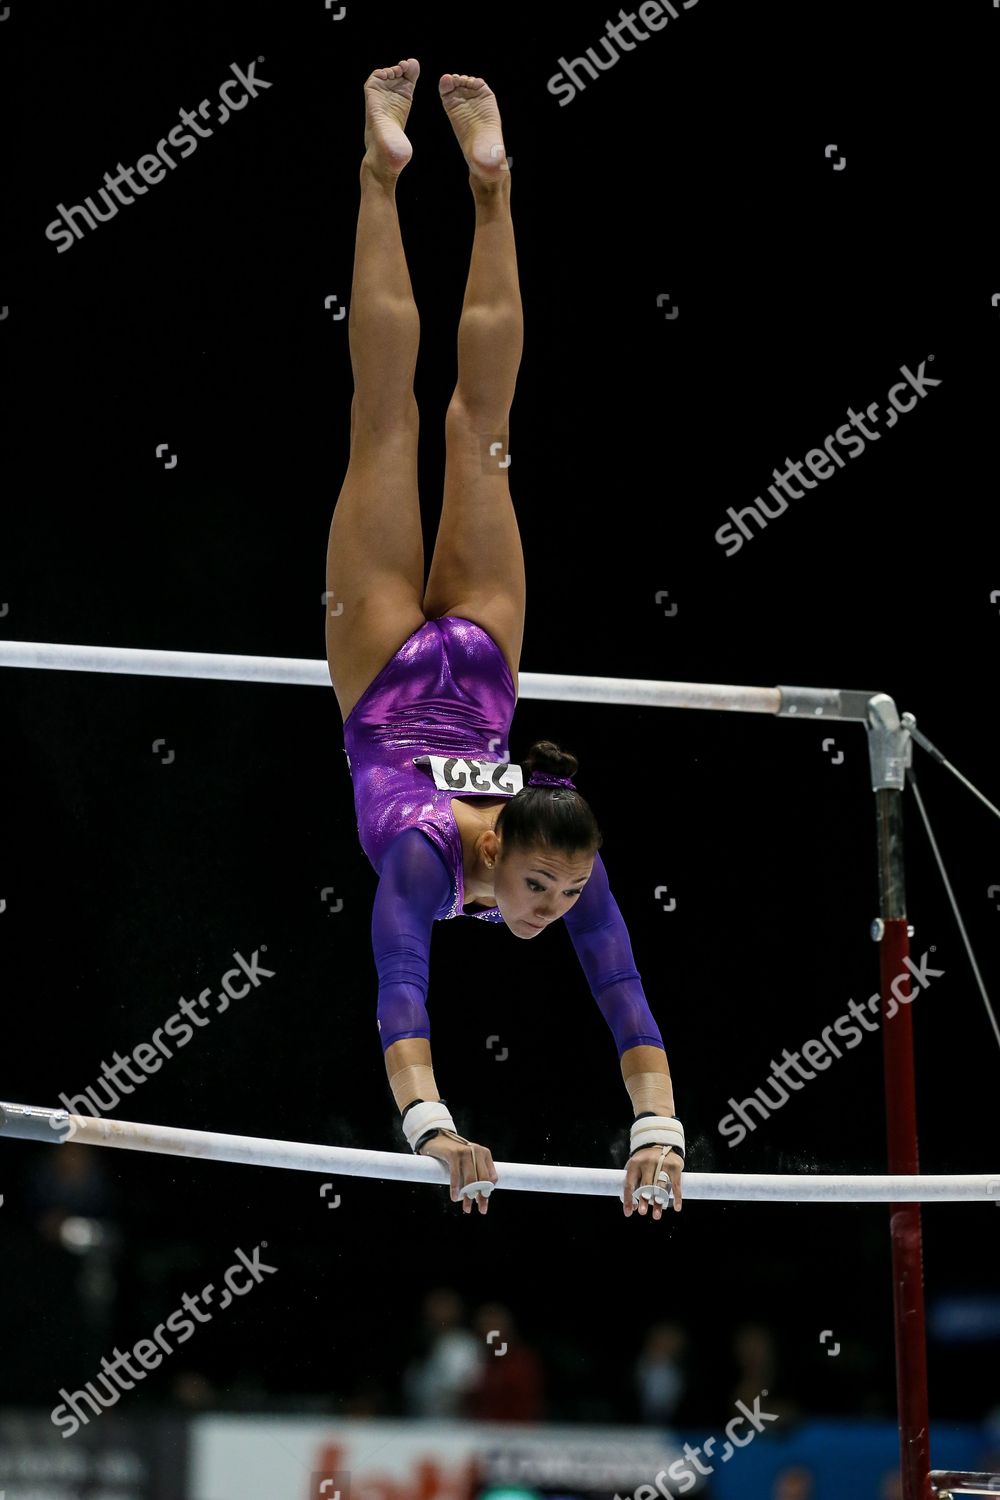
656, 1130
432, 1115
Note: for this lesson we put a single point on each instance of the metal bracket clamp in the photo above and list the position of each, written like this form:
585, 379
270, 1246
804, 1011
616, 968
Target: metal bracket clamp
890, 746
29, 1122
877, 931
948, 1485
824, 703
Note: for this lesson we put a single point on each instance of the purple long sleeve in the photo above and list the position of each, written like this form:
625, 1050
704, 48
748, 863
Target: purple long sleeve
601, 940
414, 888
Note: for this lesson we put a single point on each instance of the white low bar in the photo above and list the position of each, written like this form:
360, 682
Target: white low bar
643, 692
55, 1125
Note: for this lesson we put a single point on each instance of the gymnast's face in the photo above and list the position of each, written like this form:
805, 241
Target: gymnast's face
535, 888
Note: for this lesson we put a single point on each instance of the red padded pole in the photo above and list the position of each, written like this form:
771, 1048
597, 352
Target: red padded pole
904, 1218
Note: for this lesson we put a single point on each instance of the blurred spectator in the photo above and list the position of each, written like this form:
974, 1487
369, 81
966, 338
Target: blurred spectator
756, 1359
437, 1384
891, 1487
194, 1391
72, 1203
796, 1483
511, 1385
756, 1362
69, 1184
659, 1375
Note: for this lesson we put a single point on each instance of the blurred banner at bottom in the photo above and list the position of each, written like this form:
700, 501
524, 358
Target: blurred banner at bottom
272, 1457
114, 1459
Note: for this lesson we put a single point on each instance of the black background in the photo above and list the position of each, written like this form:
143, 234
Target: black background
695, 167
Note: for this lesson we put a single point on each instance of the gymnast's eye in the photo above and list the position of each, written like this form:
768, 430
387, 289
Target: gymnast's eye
535, 886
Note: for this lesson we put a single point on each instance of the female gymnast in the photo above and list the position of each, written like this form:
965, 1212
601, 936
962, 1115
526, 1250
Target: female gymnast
426, 673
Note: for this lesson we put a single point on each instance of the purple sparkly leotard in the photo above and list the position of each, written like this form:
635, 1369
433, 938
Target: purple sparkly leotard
449, 691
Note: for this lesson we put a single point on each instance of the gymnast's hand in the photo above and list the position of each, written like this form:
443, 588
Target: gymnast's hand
462, 1166
639, 1171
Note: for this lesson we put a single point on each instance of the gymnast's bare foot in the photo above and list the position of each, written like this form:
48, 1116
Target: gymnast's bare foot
475, 117
388, 96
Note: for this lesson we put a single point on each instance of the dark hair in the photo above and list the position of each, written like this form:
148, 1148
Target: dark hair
555, 817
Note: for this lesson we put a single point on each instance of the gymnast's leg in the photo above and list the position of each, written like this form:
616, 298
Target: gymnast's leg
375, 557
477, 570
375, 567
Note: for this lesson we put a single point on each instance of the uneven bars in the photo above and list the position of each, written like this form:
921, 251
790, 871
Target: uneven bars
54, 1126
643, 692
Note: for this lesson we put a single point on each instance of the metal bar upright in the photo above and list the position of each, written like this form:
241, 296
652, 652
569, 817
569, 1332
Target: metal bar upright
890, 749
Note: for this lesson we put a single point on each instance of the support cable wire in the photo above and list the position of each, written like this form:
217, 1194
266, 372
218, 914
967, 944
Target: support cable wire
925, 744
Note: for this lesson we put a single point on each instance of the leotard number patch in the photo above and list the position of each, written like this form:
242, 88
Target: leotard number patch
450, 773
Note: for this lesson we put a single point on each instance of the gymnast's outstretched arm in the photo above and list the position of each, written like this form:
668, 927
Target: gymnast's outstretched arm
414, 888
599, 935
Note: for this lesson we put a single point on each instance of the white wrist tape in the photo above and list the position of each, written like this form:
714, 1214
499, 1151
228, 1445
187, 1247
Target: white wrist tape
434, 1115
651, 1130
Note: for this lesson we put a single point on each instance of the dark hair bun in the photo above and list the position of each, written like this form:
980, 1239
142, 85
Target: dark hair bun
557, 818
548, 757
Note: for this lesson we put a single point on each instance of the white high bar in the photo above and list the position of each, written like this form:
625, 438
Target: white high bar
644, 692
29, 1122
